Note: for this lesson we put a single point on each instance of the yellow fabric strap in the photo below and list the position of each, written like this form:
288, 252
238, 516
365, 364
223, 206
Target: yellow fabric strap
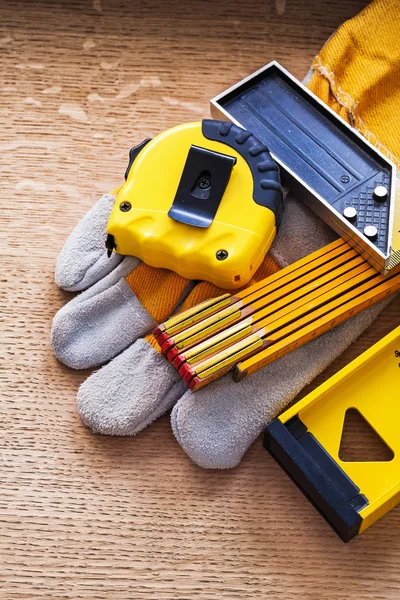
158, 290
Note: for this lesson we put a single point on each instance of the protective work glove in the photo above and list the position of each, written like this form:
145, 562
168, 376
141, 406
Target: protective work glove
124, 299
110, 322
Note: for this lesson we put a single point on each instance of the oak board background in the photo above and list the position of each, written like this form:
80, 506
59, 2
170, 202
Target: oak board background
84, 516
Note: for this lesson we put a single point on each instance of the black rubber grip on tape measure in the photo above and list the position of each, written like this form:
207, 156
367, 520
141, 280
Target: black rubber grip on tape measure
267, 184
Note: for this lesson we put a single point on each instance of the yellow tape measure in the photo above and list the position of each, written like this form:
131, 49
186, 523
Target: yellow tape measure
202, 199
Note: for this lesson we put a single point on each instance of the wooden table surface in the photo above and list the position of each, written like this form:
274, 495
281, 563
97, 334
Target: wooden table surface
86, 516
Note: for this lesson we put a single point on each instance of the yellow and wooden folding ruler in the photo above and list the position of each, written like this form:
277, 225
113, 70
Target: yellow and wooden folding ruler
306, 439
273, 317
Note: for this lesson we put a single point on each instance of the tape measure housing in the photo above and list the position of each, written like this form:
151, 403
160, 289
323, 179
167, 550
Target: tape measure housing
202, 199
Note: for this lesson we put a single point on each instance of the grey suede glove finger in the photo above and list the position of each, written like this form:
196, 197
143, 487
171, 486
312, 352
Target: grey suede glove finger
99, 324
130, 392
101, 321
83, 260
107, 317
104, 319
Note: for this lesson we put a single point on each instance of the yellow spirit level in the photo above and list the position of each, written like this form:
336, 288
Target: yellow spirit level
202, 199
306, 438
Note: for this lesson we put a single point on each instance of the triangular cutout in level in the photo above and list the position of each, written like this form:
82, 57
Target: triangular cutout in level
361, 443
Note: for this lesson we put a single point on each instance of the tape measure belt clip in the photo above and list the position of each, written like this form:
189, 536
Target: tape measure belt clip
204, 179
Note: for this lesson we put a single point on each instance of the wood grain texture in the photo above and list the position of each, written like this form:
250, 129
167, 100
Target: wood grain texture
84, 516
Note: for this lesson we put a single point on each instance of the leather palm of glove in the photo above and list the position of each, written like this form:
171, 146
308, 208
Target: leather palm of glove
110, 323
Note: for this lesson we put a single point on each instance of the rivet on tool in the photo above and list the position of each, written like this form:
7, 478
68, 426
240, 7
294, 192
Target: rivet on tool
204, 183
350, 213
371, 232
221, 255
380, 193
125, 206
